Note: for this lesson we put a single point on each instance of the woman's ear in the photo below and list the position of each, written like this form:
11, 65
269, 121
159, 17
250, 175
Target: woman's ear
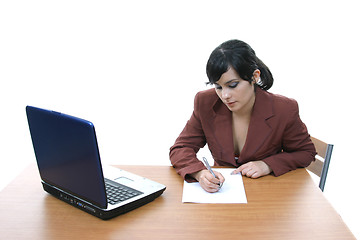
256, 76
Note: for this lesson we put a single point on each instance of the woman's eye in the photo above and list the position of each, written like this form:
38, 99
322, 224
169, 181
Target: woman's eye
218, 87
233, 85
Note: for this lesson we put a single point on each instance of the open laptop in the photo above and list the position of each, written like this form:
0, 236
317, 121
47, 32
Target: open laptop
69, 163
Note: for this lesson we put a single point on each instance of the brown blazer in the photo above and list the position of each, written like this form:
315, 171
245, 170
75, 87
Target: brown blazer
276, 135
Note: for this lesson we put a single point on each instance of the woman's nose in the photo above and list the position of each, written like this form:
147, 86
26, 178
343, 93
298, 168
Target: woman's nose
225, 94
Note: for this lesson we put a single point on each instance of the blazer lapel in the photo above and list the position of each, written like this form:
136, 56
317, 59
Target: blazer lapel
222, 125
259, 129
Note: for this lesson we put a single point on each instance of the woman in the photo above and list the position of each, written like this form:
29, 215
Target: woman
244, 125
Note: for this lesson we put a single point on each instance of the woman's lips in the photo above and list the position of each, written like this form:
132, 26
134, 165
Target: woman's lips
230, 104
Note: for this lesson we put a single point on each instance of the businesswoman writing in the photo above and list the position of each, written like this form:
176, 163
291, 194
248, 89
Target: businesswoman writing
244, 126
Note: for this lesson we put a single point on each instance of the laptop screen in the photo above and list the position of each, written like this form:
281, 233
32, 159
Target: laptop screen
67, 154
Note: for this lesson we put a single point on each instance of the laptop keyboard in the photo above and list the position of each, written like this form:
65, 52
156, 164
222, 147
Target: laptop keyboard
117, 192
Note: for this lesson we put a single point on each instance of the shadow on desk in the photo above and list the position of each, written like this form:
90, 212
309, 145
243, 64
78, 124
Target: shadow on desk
62, 221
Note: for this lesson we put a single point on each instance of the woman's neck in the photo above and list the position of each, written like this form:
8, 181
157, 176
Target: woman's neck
245, 112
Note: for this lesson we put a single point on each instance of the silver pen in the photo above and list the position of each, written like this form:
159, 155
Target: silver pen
210, 169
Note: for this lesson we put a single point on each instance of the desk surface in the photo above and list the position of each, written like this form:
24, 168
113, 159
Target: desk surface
285, 207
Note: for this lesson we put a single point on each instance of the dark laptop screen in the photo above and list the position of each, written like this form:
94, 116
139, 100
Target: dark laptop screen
67, 154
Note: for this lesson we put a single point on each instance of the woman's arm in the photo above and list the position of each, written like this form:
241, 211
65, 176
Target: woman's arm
297, 148
191, 139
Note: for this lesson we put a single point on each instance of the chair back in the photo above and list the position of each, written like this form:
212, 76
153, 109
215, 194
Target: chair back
321, 164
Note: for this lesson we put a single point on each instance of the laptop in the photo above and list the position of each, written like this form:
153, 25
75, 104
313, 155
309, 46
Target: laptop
68, 159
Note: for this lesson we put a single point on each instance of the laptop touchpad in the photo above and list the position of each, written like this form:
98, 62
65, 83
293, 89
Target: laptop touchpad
124, 180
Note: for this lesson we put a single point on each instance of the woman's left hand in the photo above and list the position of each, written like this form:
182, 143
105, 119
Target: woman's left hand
253, 169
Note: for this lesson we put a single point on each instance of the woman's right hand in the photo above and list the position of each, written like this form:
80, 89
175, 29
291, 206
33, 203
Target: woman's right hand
207, 180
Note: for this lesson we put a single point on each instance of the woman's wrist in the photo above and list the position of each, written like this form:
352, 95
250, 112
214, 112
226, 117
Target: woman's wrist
196, 175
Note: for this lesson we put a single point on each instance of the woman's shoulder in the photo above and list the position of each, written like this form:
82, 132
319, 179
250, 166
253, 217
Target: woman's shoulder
207, 97
207, 93
281, 102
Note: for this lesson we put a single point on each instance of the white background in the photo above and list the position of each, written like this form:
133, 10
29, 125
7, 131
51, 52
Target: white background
133, 70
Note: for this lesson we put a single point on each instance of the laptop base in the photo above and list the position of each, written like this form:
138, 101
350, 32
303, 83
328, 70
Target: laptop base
95, 211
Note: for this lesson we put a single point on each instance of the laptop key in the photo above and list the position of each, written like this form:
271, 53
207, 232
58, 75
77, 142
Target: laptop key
117, 192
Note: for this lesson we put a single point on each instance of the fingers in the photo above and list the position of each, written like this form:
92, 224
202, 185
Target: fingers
219, 177
236, 171
209, 186
209, 183
251, 173
254, 169
240, 169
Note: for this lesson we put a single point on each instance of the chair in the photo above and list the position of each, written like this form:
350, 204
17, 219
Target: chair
320, 166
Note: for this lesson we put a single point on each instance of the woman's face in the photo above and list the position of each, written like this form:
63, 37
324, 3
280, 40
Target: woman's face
237, 94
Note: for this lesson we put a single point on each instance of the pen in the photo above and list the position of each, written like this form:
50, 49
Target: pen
208, 166
210, 169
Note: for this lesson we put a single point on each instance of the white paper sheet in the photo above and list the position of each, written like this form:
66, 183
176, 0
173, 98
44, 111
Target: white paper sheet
232, 191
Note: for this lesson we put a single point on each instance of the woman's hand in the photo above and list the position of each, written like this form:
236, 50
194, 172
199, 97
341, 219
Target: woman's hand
207, 180
254, 169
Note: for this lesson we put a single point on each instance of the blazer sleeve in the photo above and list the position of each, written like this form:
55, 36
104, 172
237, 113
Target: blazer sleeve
191, 139
297, 148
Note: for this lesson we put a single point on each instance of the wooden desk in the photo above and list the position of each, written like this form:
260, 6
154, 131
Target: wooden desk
285, 207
